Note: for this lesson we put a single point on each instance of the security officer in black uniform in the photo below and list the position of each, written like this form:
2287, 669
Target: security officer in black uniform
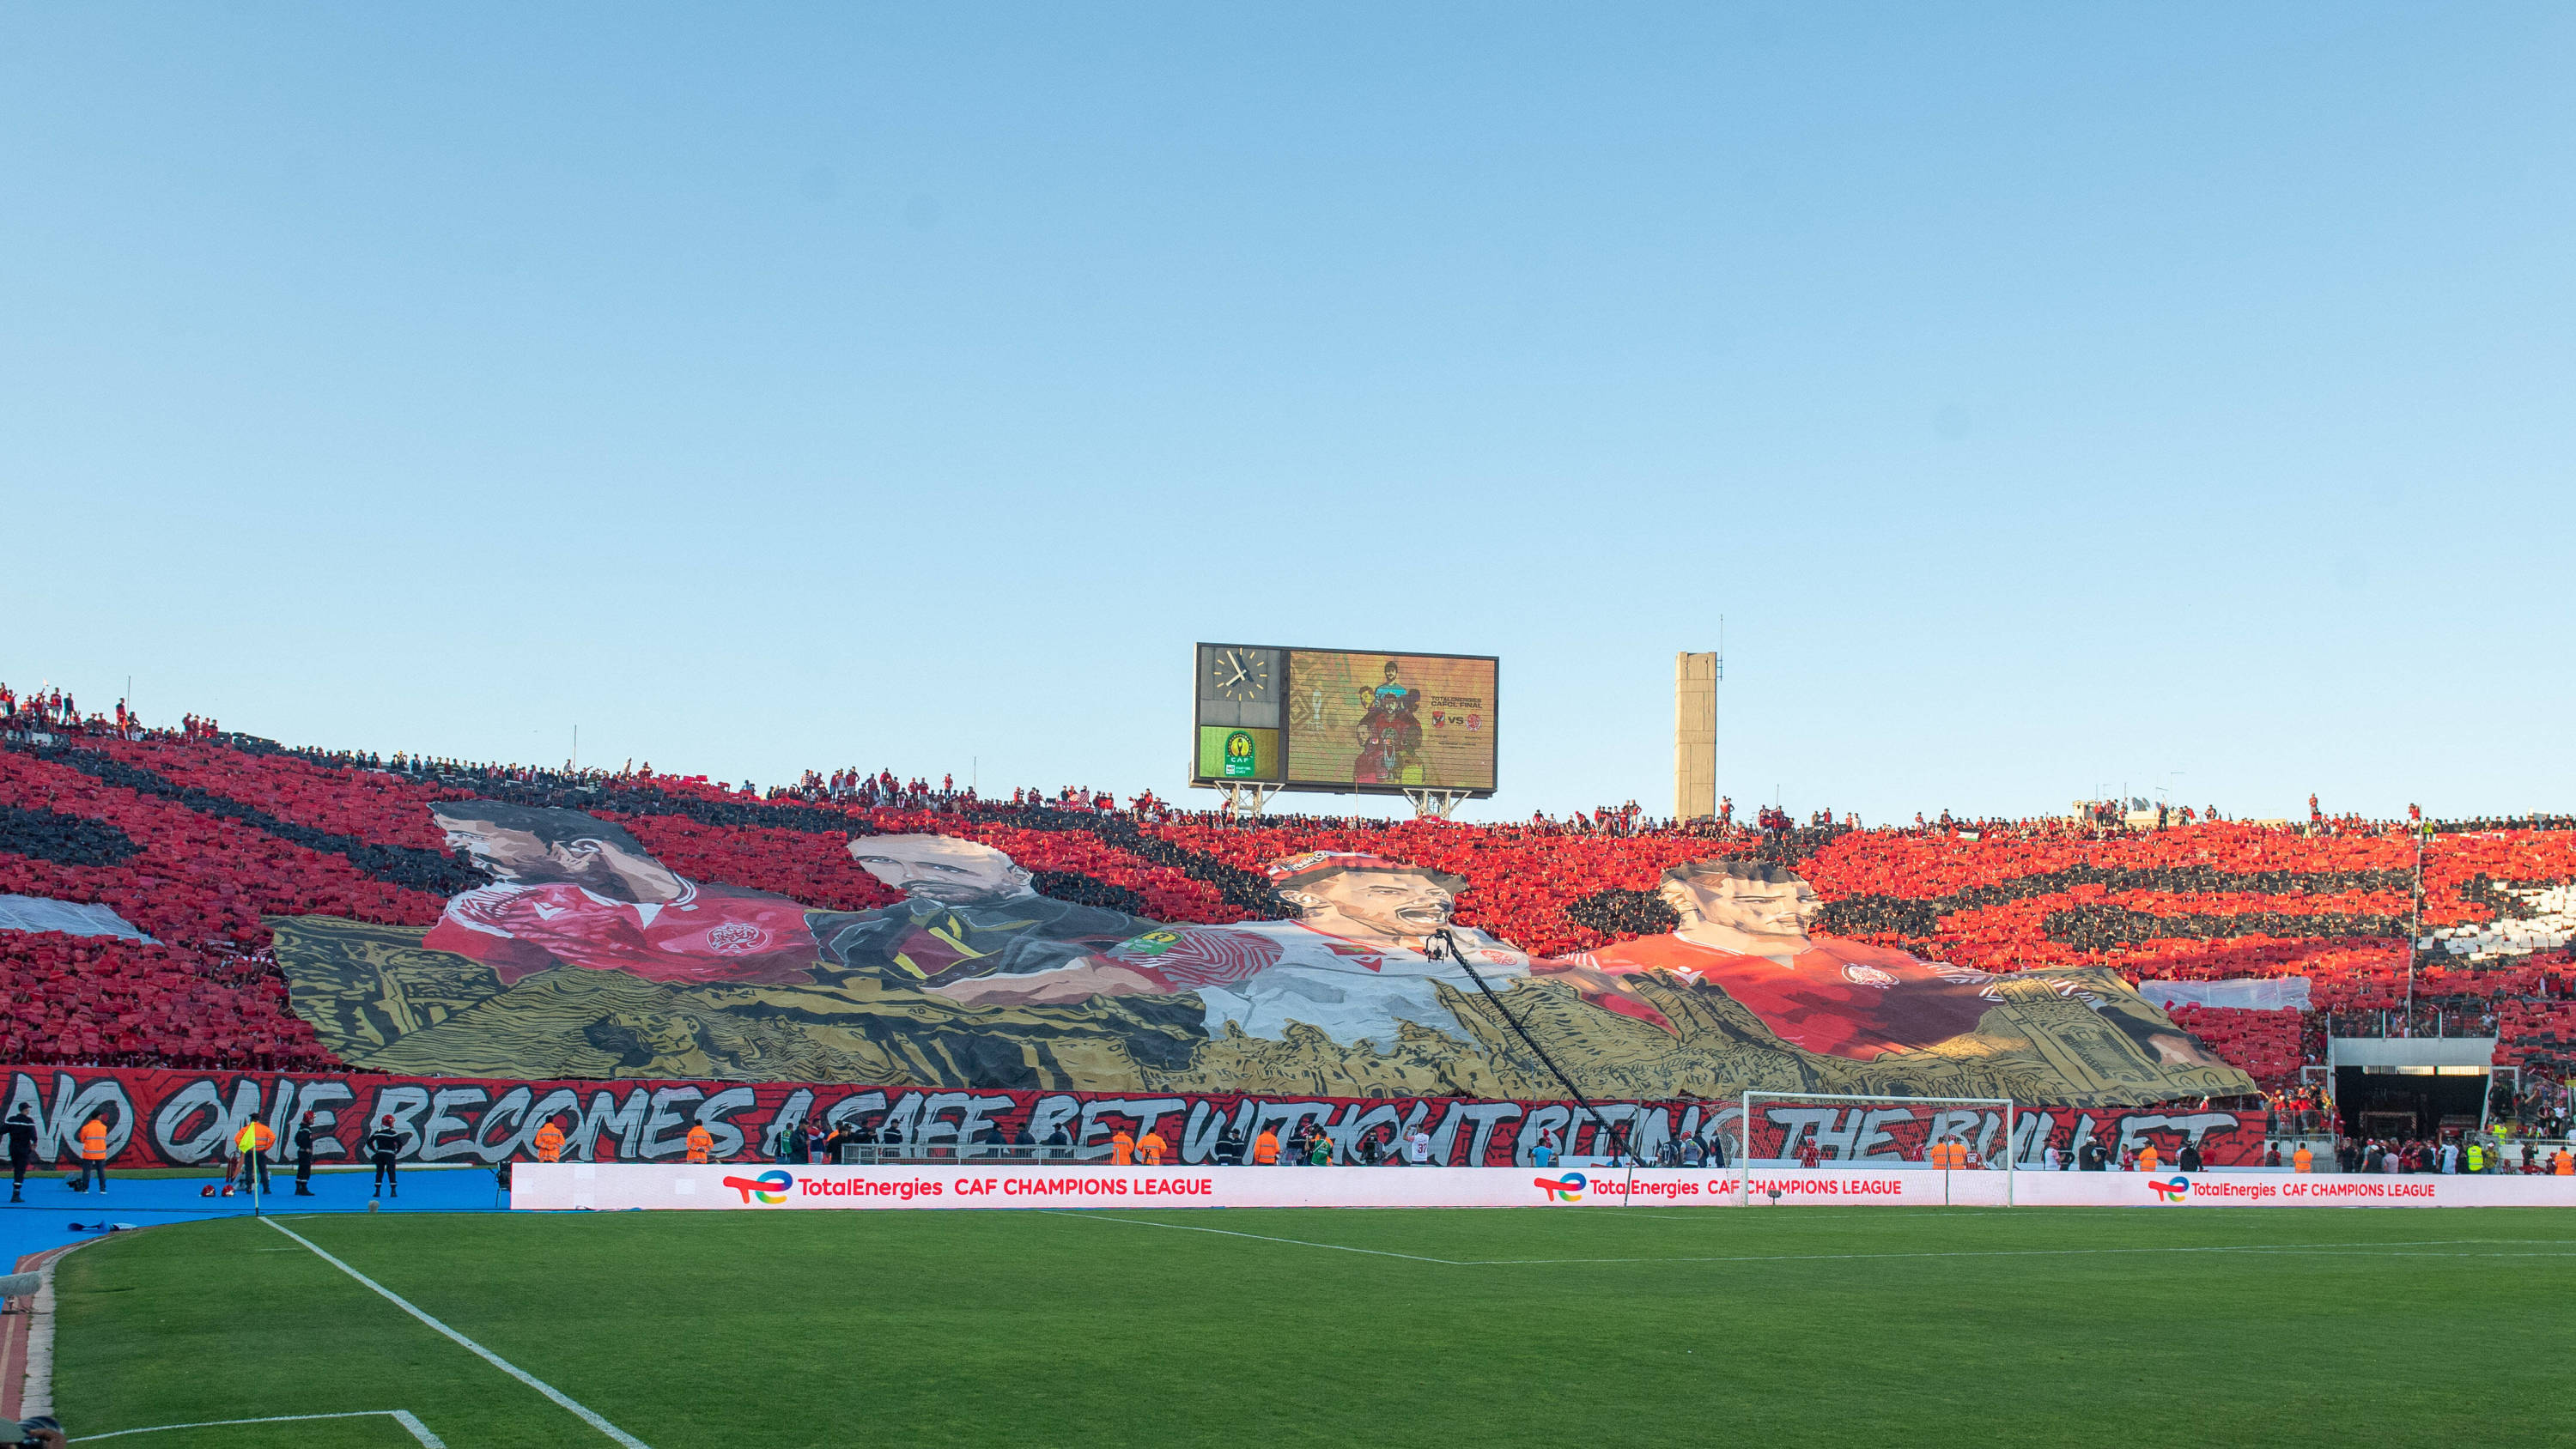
382, 1144
22, 1150
304, 1156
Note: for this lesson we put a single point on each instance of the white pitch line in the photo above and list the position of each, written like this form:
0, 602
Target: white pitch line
2358, 1253
2284, 1250
2293, 1249
561, 1399
1264, 1238
1809, 1215
2357, 1249
415, 1427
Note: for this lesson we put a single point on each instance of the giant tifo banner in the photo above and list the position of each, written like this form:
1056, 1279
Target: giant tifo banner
587, 957
606, 1187
187, 1119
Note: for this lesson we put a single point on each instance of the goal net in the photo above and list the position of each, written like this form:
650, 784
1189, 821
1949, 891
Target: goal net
1949, 1135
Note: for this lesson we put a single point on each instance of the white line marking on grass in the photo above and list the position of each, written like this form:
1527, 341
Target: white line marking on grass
2357, 1253
1809, 1215
1262, 1238
561, 1399
2290, 1249
417, 1429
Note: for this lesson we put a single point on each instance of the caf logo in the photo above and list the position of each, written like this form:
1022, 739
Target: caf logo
1238, 756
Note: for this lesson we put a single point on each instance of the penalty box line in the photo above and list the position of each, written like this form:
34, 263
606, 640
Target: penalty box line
410, 1423
2350, 1249
1265, 1238
560, 1398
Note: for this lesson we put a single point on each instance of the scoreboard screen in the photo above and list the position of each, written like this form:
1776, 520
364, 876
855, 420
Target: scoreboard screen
1344, 721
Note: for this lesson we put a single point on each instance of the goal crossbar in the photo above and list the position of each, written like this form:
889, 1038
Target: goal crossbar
1744, 1125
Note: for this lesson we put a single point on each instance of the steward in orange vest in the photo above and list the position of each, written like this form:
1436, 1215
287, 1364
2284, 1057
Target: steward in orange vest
1122, 1148
1265, 1149
702, 1143
93, 1151
549, 1142
255, 1156
1150, 1147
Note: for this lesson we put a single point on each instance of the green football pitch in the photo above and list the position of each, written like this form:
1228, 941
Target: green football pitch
1491, 1329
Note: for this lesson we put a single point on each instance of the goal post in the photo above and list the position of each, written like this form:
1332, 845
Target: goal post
1744, 1158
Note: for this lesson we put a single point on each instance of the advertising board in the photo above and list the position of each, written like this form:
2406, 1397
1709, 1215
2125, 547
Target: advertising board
606, 1187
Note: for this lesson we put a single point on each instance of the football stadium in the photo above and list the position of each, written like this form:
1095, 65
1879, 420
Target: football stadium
1175, 727
428, 1116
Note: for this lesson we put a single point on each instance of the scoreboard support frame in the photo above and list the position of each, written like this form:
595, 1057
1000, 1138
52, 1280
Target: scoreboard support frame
1244, 798
1434, 804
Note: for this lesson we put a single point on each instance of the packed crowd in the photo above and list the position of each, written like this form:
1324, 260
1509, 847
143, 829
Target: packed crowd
105, 1001
2455, 1152
196, 836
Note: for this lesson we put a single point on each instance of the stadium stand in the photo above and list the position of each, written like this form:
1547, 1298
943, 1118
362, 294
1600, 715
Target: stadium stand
195, 835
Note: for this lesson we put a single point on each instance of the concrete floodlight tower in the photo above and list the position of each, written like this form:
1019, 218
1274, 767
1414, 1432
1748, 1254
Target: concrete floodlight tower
1695, 678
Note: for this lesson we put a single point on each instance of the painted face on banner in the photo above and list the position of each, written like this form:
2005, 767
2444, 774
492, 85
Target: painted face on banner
511, 855
1782, 910
1400, 903
940, 868
518, 856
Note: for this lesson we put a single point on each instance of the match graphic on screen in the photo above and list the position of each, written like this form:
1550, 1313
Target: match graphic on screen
1345, 721
1390, 721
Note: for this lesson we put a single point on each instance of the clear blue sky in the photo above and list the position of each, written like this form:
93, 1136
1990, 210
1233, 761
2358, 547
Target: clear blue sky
2047, 396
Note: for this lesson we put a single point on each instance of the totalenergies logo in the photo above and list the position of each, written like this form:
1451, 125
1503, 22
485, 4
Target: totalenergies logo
1568, 1188
2170, 1189
770, 1187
